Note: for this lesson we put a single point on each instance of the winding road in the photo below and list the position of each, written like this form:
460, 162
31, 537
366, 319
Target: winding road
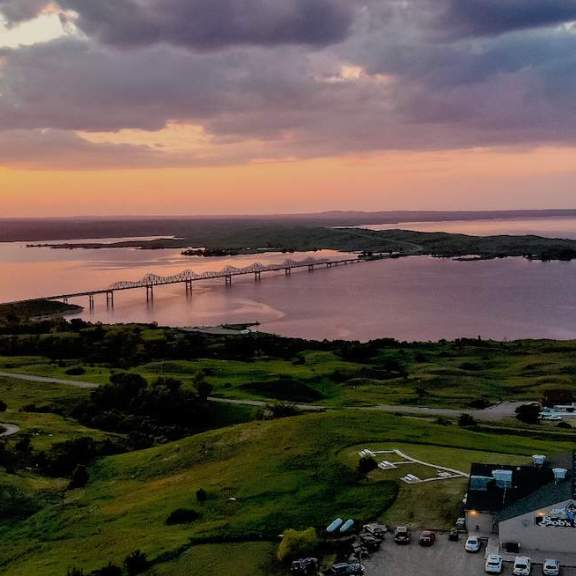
494, 413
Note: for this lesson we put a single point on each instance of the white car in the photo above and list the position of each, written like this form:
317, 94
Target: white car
473, 544
551, 567
522, 566
493, 564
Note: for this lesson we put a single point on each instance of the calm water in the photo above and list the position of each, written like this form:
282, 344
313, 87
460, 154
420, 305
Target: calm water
417, 298
550, 227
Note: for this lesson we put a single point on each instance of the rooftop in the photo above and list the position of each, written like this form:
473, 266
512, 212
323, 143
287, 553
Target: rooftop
527, 488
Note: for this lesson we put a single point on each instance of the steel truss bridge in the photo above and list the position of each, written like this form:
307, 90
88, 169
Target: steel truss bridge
150, 281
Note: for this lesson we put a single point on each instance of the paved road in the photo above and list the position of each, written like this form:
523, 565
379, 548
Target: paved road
9, 430
497, 412
46, 380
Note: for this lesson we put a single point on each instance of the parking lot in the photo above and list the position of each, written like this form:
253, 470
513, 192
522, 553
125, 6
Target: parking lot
444, 558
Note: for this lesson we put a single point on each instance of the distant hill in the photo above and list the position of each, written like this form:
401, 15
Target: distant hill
52, 229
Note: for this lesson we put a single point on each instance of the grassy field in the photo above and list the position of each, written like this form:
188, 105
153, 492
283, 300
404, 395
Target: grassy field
449, 374
261, 478
44, 429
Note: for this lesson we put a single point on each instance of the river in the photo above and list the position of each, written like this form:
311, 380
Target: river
415, 298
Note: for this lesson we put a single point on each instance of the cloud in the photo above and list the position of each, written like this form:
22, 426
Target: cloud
393, 83
15, 11
492, 17
201, 24
56, 149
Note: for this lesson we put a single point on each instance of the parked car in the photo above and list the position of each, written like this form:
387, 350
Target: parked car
453, 535
522, 566
493, 564
427, 538
473, 544
371, 543
376, 530
346, 569
402, 535
305, 567
551, 567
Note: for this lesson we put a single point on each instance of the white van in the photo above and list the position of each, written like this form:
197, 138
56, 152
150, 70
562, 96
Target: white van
522, 566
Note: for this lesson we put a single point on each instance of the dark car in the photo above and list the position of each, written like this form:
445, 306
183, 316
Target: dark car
371, 543
345, 569
304, 567
453, 535
427, 538
402, 535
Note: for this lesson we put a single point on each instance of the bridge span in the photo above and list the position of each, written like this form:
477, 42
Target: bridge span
150, 281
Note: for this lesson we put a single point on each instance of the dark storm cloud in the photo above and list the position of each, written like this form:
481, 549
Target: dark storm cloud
20, 10
55, 149
394, 83
213, 24
493, 17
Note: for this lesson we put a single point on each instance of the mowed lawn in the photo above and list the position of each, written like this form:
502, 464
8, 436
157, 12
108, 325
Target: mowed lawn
260, 477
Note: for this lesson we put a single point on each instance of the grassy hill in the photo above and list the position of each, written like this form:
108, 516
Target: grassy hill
260, 477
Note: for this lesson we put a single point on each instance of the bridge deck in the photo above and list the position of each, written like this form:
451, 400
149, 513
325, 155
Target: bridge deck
151, 281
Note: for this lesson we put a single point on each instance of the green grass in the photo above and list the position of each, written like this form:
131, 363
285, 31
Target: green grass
44, 429
445, 374
286, 473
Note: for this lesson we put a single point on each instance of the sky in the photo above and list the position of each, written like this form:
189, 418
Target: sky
271, 106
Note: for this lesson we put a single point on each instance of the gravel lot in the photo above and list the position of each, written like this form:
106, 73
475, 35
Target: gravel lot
443, 559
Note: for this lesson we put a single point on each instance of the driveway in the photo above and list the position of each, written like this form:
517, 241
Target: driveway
443, 559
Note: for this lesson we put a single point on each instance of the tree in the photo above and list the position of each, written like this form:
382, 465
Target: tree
80, 478
528, 413
466, 420
366, 465
136, 563
296, 544
3, 406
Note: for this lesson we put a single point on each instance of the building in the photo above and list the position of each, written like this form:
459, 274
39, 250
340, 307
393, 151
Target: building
532, 507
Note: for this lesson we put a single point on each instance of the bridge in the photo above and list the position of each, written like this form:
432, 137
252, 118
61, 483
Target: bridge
150, 281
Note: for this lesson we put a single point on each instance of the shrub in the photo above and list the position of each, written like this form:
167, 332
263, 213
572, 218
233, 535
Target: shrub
182, 516
201, 495
3, 406
466, 420
76, 371
136, 563
75, 572
80, 478
564, 425
366, 465
528, 413
480, 404
296, 544
108, 570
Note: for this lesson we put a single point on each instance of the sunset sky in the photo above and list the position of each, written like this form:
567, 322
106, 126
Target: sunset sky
268, 106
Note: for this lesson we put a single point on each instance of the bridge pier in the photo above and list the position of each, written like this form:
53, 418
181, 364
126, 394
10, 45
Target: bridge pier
228, 280
91, 301
311, 268
149, 293
65, 300
188, 287
257, 276
287, 271
110, 299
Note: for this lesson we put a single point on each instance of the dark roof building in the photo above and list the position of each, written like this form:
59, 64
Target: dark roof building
523, 503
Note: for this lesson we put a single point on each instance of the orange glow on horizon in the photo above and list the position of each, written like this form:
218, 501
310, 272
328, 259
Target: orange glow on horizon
479, 179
